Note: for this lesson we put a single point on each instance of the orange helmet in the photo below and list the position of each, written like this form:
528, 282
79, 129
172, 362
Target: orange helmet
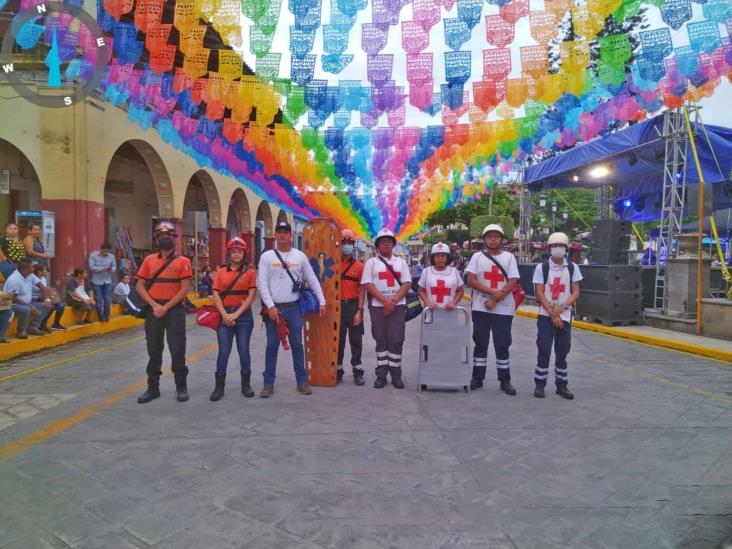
237, 242
347, 235
165, 227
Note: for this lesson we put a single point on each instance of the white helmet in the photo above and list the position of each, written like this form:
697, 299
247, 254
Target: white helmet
493, 227
385, 233
558, 238
440, 248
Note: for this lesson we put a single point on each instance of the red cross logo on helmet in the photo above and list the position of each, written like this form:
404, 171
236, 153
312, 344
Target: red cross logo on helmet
237, 243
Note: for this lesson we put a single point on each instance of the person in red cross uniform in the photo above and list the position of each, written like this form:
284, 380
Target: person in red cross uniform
353, 297
387, 281
440, 285
557, 288
492, 273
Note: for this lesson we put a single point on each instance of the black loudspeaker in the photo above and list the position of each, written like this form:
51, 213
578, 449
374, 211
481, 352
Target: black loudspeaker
616, 227
611, 278
609, 307
611, 241
603, 256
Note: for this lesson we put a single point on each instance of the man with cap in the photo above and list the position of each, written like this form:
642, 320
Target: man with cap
492, 273
352, 301
164, 280
557, 289
281, 271
386, 278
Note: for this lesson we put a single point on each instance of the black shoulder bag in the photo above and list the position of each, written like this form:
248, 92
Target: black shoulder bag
414, 304
138, 306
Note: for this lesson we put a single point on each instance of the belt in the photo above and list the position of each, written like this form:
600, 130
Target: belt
288, 304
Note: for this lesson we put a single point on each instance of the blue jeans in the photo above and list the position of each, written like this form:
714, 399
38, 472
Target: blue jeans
243, 332
295, 321
5, 317
103, 297
23, 311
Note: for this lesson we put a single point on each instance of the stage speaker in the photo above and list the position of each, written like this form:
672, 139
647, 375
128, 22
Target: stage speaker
611, 241
692, 200
616, 227
526, 272
604, 256
609, 307
611, 278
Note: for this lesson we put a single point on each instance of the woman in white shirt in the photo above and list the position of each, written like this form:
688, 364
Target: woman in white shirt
440, 285
121, 290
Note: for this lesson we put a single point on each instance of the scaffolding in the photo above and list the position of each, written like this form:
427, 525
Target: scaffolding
524, 250
676, 142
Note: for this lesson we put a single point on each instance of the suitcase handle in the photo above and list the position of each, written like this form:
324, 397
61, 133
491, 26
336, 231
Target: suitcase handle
425, 353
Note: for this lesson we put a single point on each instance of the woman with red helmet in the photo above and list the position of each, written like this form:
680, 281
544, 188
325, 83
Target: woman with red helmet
234, 290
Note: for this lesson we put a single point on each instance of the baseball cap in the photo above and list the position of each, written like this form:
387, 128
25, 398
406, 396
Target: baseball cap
283, 226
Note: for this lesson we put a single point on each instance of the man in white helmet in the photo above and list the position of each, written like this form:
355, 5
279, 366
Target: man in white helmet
492, 273
557, 288
387, 281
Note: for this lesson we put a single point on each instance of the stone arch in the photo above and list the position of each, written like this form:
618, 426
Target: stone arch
25, 191
239, 218
136, 188
282, 216
264, 214
212, 197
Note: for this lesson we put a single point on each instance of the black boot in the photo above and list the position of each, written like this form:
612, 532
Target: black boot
478, 377
396, 378
152, 392
218, 391
339, 375
181, 392
380, 382
563, 392
507, 388
358, 377
246, 388
539, 392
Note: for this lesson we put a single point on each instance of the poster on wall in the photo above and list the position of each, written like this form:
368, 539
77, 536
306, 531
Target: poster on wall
4, 181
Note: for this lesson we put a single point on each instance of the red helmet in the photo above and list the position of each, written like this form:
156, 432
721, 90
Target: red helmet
347, 235
165, 227
237, 242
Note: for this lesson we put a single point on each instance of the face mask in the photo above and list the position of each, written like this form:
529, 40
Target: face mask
166, 243
347, 249
558, 251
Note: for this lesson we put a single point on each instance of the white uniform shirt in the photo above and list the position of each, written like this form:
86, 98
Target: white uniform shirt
378, 274
441, 286
490, 275
273, 282
558, 287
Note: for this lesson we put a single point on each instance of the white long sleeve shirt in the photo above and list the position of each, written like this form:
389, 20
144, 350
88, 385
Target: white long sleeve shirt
273, 283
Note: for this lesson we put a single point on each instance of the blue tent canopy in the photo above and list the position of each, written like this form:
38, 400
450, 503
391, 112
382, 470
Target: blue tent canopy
634, 158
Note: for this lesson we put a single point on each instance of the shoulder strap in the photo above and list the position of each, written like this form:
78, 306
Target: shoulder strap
351, 263
231, 286
545, 271
284, 266
391, 269
494, 260
570, 266
157, 274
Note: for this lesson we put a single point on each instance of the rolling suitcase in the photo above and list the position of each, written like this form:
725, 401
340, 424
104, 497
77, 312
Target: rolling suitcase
445, 349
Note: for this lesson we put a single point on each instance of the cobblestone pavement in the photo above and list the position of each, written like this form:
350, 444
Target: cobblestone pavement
641, 458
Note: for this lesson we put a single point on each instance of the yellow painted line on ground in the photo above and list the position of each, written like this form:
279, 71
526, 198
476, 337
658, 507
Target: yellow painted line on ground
720, 355
59, 426
69, 359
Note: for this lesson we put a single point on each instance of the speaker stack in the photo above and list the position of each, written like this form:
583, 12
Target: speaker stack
611, 291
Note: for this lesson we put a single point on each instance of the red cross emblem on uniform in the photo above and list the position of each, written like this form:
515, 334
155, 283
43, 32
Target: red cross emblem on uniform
556, 288
440, 291
494, 276
386, 275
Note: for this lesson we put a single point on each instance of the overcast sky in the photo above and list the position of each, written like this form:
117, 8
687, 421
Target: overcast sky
716, 109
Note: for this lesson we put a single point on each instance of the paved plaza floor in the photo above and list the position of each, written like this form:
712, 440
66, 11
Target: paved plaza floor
641, 459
